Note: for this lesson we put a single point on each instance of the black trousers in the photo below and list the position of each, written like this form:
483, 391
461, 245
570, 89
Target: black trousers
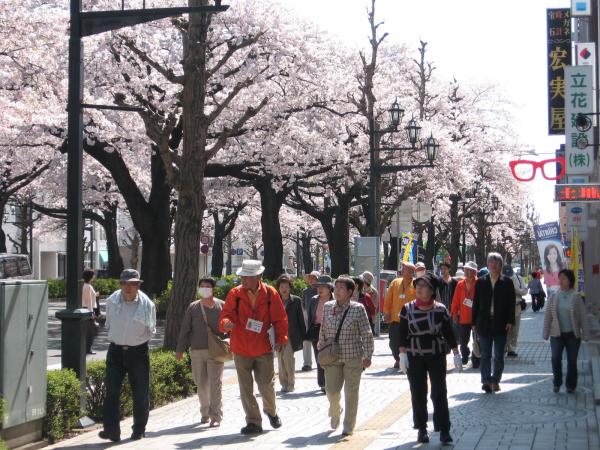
418, 369
464, 338
320, 370
394, 334
135, 362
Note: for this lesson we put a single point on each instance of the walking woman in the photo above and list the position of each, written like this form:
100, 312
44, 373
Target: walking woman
537, 292
315, 318
345, 325
565, 323
296, 331
89, 299
199, 317
426, 337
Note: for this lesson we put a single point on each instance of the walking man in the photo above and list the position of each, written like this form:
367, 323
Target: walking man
400, 292
461, 312
520, 290
250, 310
307, 295
131, 322
493, 318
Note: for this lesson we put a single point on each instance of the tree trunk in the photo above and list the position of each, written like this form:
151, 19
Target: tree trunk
480, 240
272, 238
115, 260
454, 246
306, 256
191, 202
430, 248
217, 251
391, 262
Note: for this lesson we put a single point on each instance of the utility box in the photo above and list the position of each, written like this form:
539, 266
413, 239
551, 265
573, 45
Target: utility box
23, 349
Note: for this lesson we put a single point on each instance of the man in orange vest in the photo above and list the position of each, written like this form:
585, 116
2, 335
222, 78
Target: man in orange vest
250, 310
400, 292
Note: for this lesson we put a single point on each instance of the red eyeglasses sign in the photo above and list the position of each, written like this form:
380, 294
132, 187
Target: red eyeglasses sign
525, 170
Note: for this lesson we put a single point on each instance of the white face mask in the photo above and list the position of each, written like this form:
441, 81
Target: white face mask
205, 292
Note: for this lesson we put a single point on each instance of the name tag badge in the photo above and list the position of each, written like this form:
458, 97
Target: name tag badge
402, 296
468, 302
254, 325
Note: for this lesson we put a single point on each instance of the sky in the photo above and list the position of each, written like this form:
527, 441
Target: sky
503, 42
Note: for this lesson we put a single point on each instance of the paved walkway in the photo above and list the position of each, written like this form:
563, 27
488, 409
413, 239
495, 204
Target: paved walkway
526, 414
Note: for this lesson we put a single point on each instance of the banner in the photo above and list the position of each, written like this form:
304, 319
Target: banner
576, 262
407, 247
558, 56
551, 253
579, 153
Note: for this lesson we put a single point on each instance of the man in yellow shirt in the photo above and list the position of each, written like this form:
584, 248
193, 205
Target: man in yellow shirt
399, 292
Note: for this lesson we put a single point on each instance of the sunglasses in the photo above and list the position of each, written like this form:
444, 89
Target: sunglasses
525, 170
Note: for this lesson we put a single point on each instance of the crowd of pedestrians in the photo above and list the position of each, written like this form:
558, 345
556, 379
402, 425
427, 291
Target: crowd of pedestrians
475, 314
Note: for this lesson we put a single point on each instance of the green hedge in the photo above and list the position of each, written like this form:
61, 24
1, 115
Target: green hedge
170, 380
224, 285
106, 286
62, 405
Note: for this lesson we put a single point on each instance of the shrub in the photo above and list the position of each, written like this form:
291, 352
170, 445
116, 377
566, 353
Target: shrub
170, 380
62, 404
57, 288
106, 286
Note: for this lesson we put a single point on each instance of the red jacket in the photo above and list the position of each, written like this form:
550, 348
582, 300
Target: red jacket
458, 307
238, 309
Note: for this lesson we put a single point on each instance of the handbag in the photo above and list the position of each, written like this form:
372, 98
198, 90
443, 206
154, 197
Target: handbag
313, 333
523, 304
218, 349
330, 353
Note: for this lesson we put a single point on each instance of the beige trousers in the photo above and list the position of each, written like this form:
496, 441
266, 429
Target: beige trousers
345, 374
286, 367
259, 368
208, 375
513, 336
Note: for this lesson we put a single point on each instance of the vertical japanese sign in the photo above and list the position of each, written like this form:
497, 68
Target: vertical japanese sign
579, 153
550, 247
407, 247
558, 56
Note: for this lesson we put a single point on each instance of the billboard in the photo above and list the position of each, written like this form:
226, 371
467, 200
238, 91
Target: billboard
551, 252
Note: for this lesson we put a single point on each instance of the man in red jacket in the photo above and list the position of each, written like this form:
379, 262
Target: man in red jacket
250, 310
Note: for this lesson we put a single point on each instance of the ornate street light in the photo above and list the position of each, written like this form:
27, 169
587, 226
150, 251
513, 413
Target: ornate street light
396, 114
413, 131
431, 148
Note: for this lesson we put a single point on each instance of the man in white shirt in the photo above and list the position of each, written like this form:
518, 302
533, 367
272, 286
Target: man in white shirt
131, 322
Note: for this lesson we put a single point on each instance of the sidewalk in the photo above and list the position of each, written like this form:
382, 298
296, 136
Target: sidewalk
526, 414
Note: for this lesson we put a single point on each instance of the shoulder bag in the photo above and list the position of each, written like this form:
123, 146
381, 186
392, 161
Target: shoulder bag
330, 353
218, 349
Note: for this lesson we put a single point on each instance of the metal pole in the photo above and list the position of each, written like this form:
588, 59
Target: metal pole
298, 254
374, 226
73, 318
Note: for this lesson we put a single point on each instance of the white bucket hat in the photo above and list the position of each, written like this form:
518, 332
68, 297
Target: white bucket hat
420, 266
250, 268
470, 265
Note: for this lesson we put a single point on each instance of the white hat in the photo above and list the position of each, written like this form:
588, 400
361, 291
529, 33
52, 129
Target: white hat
250, 268
315, 273
367, 276
471, 265
420, 266
459, 274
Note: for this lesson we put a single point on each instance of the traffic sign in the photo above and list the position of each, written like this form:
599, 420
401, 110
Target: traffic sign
204, 249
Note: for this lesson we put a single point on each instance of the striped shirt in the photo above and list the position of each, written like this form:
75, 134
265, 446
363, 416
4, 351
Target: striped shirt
356, 338
426, 332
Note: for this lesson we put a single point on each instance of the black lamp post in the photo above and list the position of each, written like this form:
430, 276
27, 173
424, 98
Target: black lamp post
495, 203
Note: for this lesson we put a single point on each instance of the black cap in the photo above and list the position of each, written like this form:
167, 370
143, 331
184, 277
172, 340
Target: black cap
430, 279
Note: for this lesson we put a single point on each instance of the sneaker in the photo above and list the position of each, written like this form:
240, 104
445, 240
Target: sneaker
136, 436
423, 437
251, 428
346, 433
204, 419
445, 438
465, 361
512, 355
323, 390
335, 422
215, 424
556, 389
397, 365
487, 388
570, 390
306, 368
275, 421
495, 387
105, 435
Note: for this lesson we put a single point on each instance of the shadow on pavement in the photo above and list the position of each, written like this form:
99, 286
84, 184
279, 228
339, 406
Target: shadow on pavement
221, 439
306, 441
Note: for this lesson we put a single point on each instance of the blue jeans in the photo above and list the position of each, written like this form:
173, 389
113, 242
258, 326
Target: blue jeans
571, 343
486, 344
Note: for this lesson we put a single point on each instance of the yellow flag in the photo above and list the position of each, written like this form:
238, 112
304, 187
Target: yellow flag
574, 259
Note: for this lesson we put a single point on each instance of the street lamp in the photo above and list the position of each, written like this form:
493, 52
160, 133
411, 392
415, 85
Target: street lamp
495, 203
413, 131
431, 148
396, 114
